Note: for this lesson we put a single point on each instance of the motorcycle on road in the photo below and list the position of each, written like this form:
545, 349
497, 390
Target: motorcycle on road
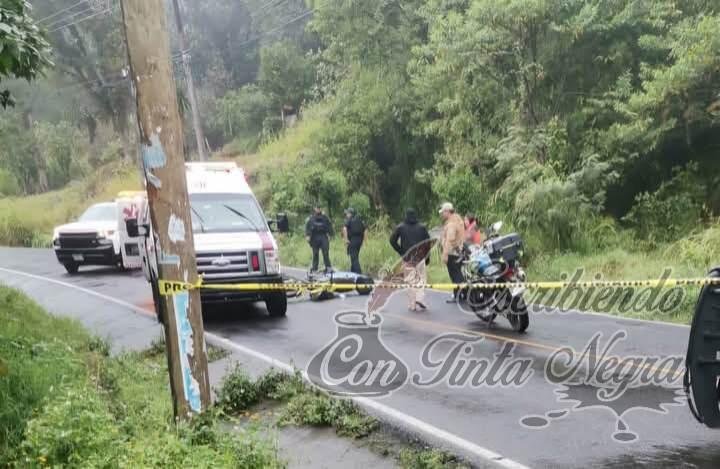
496, 261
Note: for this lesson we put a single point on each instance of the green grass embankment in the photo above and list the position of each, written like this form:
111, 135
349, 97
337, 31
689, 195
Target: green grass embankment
67, 403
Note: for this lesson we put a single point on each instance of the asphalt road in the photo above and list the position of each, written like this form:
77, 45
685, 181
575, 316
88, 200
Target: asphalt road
530, 423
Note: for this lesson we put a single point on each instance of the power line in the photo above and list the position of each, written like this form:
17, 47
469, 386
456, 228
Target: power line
101, 12
274, 30
266, 9
58, 21
60, 11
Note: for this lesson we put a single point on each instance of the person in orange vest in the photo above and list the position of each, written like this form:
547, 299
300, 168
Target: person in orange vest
473, 234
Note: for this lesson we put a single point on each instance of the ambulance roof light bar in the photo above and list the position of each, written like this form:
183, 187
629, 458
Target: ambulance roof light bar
221, 166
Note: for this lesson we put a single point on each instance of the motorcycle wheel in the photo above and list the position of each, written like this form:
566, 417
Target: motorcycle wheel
518, 315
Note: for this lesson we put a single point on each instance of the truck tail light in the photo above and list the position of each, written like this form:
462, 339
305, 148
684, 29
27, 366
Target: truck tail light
255, 261
272, 263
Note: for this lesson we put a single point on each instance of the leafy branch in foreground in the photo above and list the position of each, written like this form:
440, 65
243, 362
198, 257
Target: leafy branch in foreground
24, 51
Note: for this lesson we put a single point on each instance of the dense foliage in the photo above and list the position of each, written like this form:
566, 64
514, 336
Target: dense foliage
551, 114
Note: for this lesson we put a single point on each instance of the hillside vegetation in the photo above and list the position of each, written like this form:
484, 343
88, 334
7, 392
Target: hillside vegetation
29, 221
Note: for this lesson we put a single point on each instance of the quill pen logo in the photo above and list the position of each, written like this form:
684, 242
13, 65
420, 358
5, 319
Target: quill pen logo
594, 379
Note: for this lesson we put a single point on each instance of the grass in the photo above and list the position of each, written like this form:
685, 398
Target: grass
303, 405
428, 458
29, 221
67, 403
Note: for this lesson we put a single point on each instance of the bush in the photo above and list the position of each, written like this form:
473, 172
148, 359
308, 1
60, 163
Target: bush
316, 409
361, 203
672, 211
237, 392
279, 386
427, 459
8, 184
240, 113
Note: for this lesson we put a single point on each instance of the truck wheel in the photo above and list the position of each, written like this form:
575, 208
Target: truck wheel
71, 267
276, 305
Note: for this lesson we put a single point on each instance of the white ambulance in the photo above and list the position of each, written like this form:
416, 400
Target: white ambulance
99, 236
233, 242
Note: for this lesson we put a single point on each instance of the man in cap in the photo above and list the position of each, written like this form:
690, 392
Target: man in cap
354, 235
453, 237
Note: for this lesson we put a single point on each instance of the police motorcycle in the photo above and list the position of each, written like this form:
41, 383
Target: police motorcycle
496, 261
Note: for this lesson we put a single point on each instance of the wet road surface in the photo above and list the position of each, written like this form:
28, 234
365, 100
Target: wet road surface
532, 421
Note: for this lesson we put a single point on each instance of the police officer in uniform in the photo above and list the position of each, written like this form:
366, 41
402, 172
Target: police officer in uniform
354, 235
318, 229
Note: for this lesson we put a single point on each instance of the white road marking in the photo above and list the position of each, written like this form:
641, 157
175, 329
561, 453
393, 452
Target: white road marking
431, 432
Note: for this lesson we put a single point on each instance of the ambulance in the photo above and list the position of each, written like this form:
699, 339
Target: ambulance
233, 240
99, 236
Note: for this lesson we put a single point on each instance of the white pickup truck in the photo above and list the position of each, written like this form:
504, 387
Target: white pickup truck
99, 236
233, 242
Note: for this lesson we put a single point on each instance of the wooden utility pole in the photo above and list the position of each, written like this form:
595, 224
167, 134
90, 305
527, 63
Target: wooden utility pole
199, 138
161, 147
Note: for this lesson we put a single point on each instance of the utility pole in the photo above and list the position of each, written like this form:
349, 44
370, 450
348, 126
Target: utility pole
199, 138
161, 147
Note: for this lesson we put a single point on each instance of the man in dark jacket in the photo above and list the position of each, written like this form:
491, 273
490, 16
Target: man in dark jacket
318, 229
412, 241
354, 235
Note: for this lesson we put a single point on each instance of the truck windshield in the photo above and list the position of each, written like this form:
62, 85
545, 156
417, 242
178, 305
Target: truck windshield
225, 213
99, 212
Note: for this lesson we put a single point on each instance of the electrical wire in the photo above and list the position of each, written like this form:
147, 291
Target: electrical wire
274, 30
60, 11
265, 10
59, 21
101, 12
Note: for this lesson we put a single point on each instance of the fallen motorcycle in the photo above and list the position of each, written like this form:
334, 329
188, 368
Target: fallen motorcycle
337, 282
496, 262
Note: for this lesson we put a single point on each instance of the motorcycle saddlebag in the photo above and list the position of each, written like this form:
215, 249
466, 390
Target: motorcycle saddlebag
508, 248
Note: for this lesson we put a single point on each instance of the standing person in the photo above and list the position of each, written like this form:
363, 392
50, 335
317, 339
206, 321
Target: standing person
318, 229
354, 235
453, 237
411, 234
473, 234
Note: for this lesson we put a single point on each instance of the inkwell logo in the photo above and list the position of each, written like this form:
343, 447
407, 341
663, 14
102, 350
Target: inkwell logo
357, 362
594, 379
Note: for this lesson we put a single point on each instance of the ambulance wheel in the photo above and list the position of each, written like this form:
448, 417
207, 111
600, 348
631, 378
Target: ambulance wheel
71, 267
277, 305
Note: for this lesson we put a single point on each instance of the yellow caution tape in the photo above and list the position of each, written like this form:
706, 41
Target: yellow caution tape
169, 287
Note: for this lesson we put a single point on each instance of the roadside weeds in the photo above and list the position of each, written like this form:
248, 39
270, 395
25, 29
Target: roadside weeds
282, 399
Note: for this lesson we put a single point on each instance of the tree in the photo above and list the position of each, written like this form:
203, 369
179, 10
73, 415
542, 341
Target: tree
24, 52
285, 74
